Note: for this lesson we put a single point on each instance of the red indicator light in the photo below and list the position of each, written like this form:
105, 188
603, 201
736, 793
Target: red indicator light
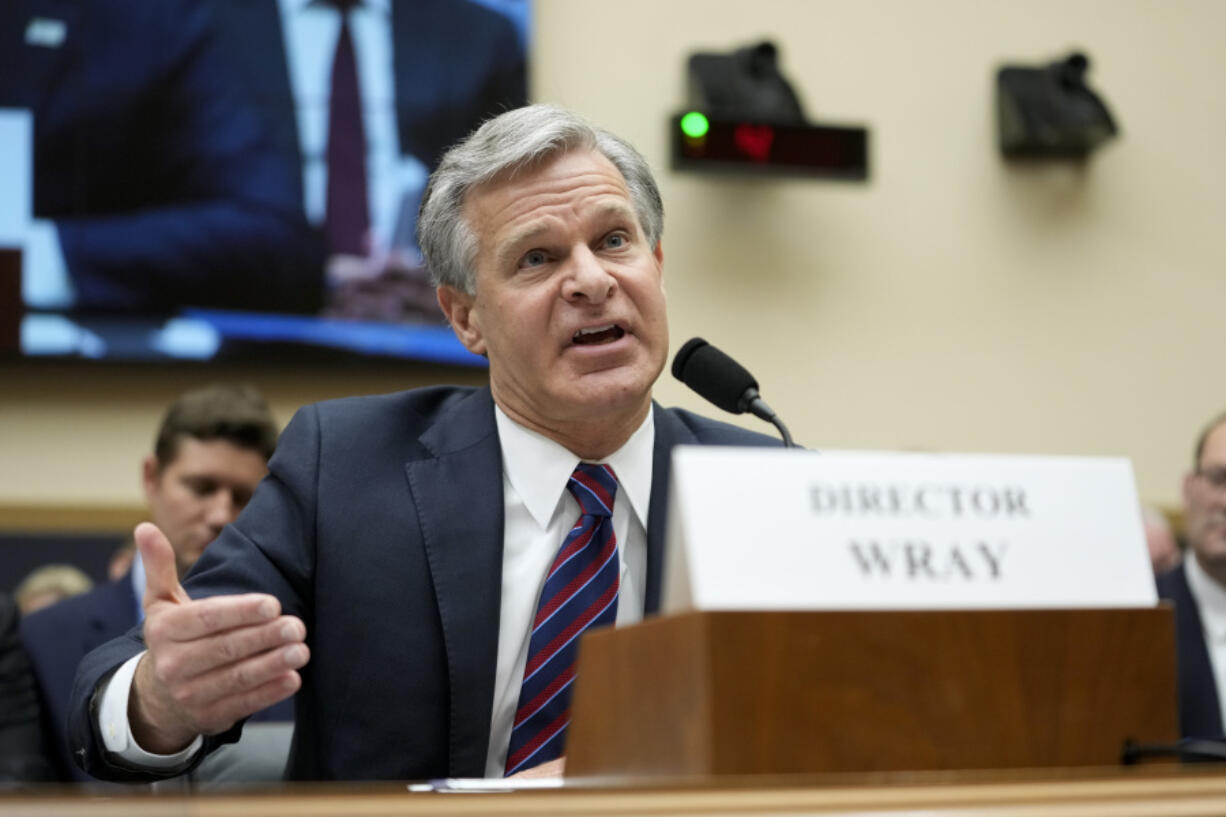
754, 141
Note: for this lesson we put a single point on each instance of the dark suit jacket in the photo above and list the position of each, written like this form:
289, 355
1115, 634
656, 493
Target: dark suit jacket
381, 525
162, 176
454, 64
57, 637
23, 754
1199, 708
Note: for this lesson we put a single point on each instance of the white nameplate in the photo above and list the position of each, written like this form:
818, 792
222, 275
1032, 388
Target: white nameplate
768, 529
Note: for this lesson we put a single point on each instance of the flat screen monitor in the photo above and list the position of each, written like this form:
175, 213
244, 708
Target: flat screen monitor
235, 179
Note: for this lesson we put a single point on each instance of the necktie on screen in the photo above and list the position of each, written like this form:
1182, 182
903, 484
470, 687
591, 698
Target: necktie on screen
347, 214
580, 593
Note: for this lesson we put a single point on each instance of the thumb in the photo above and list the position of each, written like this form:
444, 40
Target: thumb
161, 575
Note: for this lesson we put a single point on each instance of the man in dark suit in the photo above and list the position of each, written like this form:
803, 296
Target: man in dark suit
453, 64
161, 178
391, 564
211, 451
1198, 589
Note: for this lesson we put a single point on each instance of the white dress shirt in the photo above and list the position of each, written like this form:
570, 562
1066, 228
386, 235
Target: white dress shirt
1211, 603
311, 29
539, 511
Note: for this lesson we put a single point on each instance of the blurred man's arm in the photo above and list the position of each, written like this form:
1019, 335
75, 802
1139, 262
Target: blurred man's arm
23, 754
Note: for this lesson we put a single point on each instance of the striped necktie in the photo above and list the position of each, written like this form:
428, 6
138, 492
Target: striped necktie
580, 593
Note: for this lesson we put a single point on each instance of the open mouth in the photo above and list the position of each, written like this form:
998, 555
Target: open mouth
597, 335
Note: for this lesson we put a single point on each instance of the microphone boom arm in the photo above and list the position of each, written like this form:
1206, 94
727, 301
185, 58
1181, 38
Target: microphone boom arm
758, 408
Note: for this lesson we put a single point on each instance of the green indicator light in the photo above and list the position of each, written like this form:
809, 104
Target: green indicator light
695, 125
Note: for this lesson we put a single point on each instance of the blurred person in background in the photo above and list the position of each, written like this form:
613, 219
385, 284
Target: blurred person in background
23, 755
1198, 588
210, 452
49, 584
121, 560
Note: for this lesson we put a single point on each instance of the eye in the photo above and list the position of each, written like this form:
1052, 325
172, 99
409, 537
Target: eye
533, 258
201, 487
615, 241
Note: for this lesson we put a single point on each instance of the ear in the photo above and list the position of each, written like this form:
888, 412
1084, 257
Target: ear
150, 477
1188, 479
460, 309
658, 252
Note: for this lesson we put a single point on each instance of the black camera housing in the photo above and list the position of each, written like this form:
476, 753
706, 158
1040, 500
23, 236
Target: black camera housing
1050, 112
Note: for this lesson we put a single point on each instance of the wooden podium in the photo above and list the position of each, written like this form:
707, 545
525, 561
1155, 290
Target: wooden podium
726, 693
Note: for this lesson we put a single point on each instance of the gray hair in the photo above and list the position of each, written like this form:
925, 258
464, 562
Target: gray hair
513, 141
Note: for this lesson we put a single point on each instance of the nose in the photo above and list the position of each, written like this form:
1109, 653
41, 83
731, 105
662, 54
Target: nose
222, 509
587, 278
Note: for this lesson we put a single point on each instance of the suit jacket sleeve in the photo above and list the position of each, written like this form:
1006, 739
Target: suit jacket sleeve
269, 549
180, 196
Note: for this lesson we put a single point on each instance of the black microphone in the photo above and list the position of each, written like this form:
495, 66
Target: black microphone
724, 382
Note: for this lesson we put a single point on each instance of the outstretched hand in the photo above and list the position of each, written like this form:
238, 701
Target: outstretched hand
211, 662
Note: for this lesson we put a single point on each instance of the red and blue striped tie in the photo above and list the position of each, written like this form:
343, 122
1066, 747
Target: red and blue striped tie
580, 593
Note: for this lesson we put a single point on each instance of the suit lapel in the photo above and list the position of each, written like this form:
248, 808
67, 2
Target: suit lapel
1200, 713
457, 490
253, 34
114, 613
669, 432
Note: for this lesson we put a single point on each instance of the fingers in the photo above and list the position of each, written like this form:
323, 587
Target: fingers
213, 661
181, 661
218, 698
195, 619
161, 575
223, 713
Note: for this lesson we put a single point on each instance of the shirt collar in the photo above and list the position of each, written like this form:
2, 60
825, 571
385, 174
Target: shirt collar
1210, 597
538, 468
138, 584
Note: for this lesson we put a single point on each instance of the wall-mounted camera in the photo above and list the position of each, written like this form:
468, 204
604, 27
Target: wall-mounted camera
746, 118
1049, 112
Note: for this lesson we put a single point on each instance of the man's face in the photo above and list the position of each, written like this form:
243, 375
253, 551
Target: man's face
1204, 493
569, 303
200, 492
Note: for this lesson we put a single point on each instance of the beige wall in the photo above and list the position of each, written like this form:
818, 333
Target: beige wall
951, 303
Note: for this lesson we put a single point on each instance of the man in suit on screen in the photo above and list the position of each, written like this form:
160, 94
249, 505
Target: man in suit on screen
262, 156
157, 183
366, 96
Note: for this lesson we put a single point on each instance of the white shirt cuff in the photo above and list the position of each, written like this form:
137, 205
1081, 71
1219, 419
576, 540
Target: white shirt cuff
116, 730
